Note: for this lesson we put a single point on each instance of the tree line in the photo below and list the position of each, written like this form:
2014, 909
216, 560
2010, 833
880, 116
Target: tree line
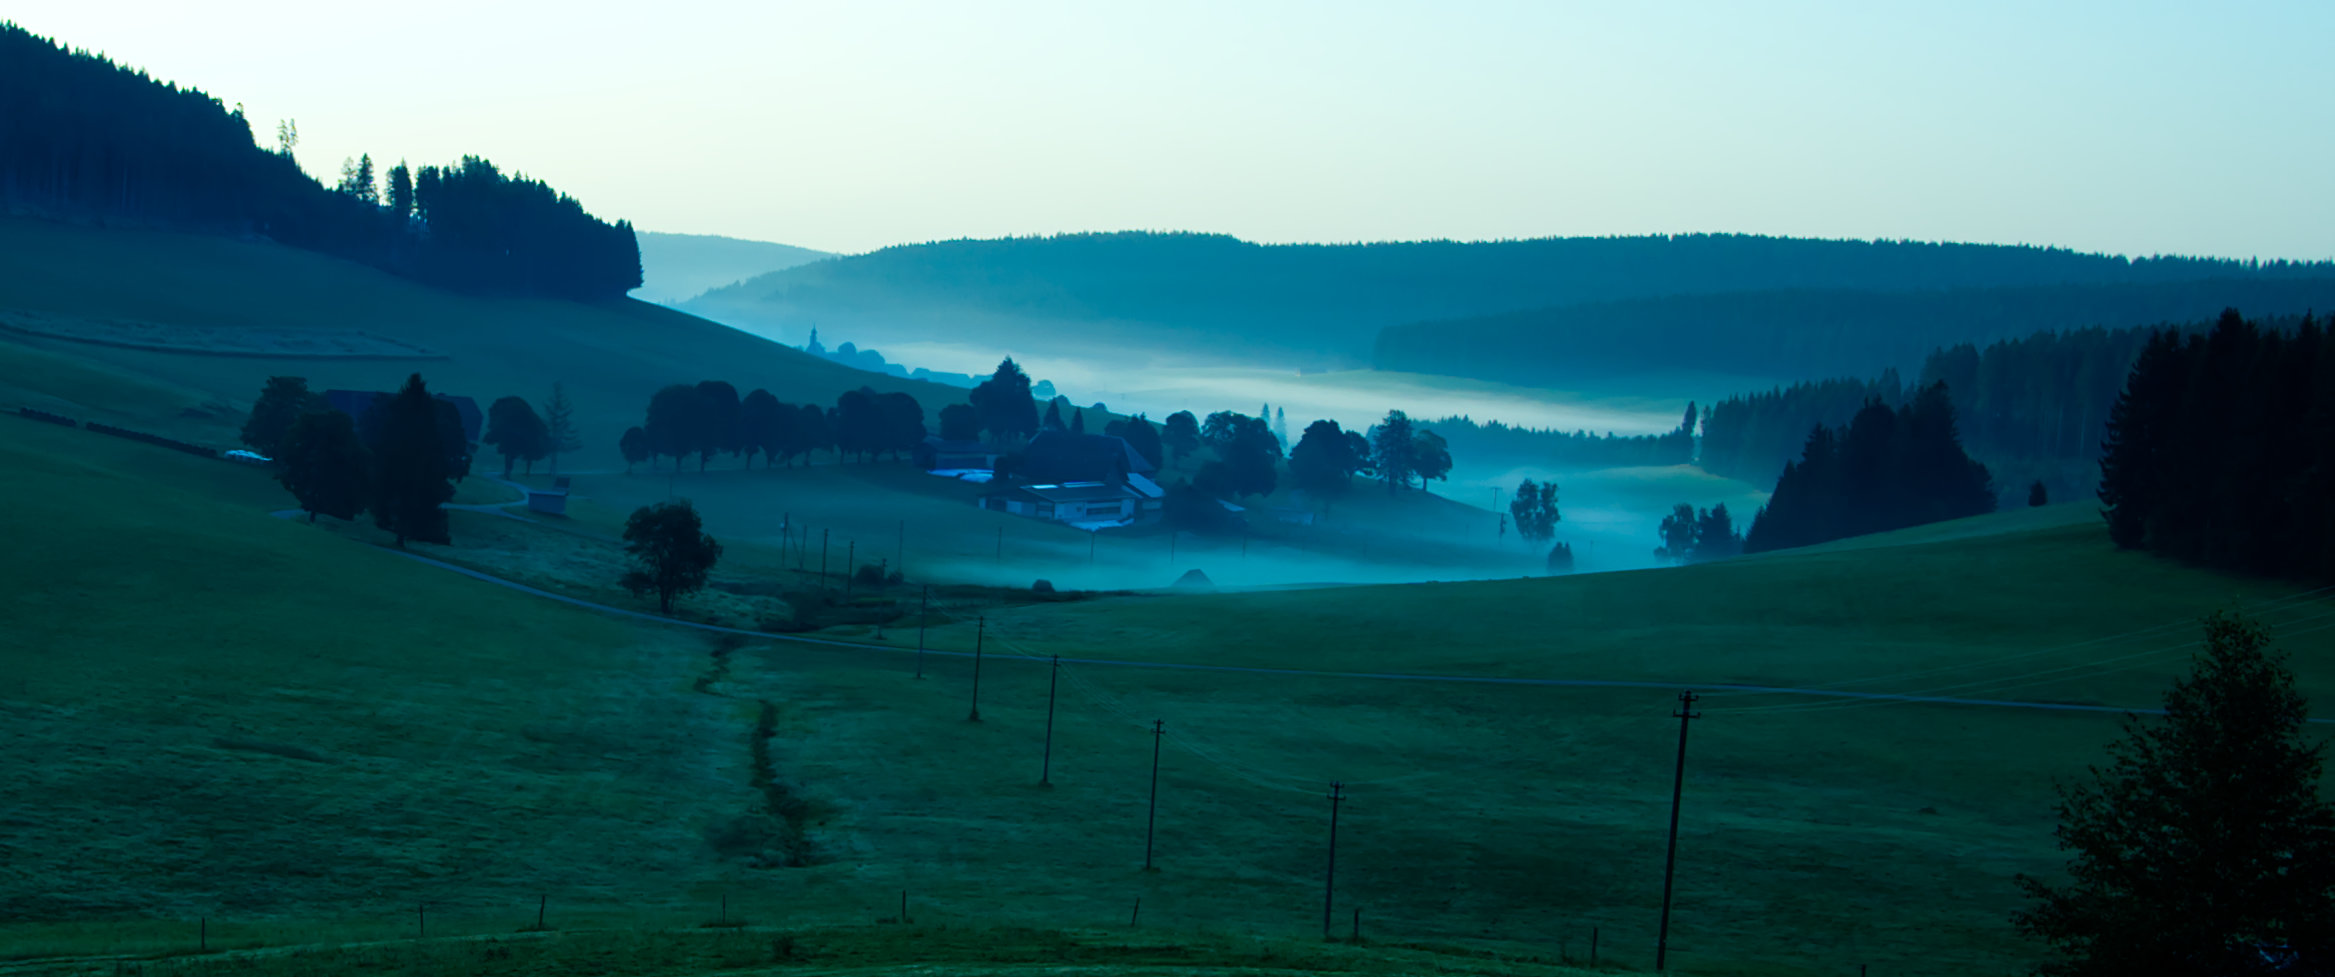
709, 418
83, 137
1803, 332
399, 459
1752, 436
1888, 468
2032, 408
1179, 288
1575, 449
2221, 448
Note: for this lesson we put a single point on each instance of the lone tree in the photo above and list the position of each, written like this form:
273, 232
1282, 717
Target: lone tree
1535, 510
1680, 531
280, 404
559, 424
2037, 495
671, 553
323, 465
411, 471
517, 433
2203, 847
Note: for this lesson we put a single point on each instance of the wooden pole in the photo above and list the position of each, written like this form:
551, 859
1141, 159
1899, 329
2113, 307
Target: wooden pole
1330, 877
1151, 825
923, 606
1046, 771
980, 626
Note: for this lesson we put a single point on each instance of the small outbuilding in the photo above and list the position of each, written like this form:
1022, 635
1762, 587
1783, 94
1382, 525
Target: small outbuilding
551, 501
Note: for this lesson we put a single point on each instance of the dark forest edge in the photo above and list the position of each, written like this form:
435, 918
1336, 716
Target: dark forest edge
82, 138
2032, 408
2221, 449
1819, 332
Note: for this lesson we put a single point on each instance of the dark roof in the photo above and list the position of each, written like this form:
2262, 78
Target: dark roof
356, 402
1060, 456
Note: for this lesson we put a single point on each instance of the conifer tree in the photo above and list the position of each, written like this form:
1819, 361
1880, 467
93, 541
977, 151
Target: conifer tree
559, 425
411, 474
2202, 848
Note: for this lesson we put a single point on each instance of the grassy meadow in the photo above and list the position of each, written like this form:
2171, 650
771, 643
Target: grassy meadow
303, 738
315, 744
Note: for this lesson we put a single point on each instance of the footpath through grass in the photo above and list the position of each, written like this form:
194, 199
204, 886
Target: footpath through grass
215, 714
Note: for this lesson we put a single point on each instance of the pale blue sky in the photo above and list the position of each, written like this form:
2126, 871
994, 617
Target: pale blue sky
2127, 127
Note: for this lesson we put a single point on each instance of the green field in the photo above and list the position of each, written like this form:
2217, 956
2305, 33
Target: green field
213, 713
210, 713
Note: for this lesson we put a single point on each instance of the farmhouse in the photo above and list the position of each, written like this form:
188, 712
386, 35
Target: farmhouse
1090, 480
1085, 504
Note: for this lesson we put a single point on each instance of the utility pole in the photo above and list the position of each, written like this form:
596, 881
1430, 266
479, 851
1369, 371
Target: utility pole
923, 605
1046, 771
1158, 729
1685, 714
850, 556
980, 626
1330, 878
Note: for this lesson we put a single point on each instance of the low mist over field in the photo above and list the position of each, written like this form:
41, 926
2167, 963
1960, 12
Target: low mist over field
1486, 490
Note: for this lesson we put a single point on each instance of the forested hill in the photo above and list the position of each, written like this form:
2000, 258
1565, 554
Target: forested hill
1821, 332
675, 267
83, 139
1212, 292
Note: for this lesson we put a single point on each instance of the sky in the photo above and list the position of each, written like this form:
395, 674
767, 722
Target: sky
2135, 128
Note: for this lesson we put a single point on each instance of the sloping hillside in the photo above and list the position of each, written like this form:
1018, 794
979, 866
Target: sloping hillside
302, 739
675, 267
1206, 296
64, 280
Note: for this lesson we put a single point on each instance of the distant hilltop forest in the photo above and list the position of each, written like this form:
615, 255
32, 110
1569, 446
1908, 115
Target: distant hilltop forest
82, 138
1826, 332
1325, 305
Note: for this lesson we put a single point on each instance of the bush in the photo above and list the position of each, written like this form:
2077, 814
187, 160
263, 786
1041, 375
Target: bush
869, 575
1042, 587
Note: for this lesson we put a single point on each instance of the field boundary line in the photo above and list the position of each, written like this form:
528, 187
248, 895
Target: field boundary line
1300, 672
